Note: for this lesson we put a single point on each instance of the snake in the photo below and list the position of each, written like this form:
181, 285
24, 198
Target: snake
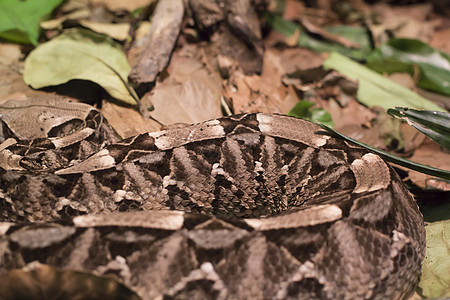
248, 206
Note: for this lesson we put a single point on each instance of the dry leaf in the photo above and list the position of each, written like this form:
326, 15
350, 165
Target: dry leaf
128, 5
116, 31
265, 93
190, 94
441, 40
127, 121
294, 59
430, 153
12, 85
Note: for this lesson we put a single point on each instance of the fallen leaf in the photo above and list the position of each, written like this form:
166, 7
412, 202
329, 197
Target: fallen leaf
190, 94
429, 153
412, 138
411, 21
354, 120
375, 89
116, 31
293, 9
441, 40
295, 59
265, 93
11, 66
87, 55
405, 55
358, 36
19, 20
82, 13
127, 121
351, 114
441, 173
435, 279
127, 5
337, 95
329, 36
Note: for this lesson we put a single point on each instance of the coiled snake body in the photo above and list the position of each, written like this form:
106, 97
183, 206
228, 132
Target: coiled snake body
254, 206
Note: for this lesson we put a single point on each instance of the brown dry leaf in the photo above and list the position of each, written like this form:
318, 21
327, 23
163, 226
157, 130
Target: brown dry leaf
419, 12
367, 135
274, 38
190, 93
408, 22
411, 137
293, 9
354, 120
441, 40
265, 93
361, 123
127, 121
10, 53
430, 153
338, 96
295, 59
11, 68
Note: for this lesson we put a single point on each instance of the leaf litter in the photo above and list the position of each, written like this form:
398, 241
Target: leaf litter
264, 70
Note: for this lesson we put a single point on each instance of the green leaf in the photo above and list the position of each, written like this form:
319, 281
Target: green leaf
401, 55
434, 124
80, 54
19, 19
281, 25
357, 35
435, 279
376, 90
303, 109
393, 158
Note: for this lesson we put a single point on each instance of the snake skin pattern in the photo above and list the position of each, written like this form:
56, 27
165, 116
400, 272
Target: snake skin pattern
253, 206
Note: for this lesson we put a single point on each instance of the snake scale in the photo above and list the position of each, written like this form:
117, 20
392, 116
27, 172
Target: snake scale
251, 206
